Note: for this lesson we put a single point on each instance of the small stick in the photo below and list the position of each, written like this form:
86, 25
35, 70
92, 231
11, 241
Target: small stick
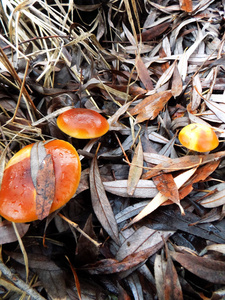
76, 226
20, 283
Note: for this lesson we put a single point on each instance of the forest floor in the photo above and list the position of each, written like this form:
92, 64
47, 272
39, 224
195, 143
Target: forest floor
147, 219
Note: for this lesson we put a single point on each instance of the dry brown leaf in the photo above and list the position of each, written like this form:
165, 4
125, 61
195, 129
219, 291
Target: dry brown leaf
45, 188
154, 31
166, 185
143, 73
135, 171
151, 106
172, 286
110, 266
186, 5
167, 282
205, 268
100, 203
200, 175
159, 199
183, 163
177, 84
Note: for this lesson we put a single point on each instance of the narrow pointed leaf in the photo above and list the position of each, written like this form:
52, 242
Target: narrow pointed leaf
100, 202
143, 73
181, 163
45, 187
159, 199
206, 268
135, 171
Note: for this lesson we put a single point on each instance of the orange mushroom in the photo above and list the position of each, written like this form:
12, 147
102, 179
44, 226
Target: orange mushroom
198, 137
82, 123
18, 193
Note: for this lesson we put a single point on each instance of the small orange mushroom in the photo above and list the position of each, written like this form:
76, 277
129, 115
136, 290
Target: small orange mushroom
198, 137
18, 194
82, 123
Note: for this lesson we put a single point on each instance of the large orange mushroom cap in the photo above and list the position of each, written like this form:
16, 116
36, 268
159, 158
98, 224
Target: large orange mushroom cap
18, 194
198, 137
82, 123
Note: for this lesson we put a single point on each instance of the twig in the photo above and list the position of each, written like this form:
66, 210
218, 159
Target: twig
76, 226
20, 283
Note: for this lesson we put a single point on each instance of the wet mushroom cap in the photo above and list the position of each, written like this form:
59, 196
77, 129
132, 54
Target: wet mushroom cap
198, 137
18, 194
82, 123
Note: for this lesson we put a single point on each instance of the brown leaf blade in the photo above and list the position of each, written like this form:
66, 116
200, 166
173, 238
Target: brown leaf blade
167, 186
45, 187
172, 284
143, 73
183, 163
100, 203
177, 84
206, 268
186, 5
152, 110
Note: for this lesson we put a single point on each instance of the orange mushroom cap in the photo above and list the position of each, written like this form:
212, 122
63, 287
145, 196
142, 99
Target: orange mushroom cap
82, 123
18, 194
198, 137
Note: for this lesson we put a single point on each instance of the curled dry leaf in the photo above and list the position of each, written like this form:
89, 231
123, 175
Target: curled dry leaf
110, 266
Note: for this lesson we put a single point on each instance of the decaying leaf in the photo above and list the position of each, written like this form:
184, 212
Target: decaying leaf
143, 73
200, 175
186, 5
110, 266
166, 186
100, 202
45, 187
177, 84
150, 107
151, 68
135, 171
206, 268
183, 163
167, 282
159, 199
